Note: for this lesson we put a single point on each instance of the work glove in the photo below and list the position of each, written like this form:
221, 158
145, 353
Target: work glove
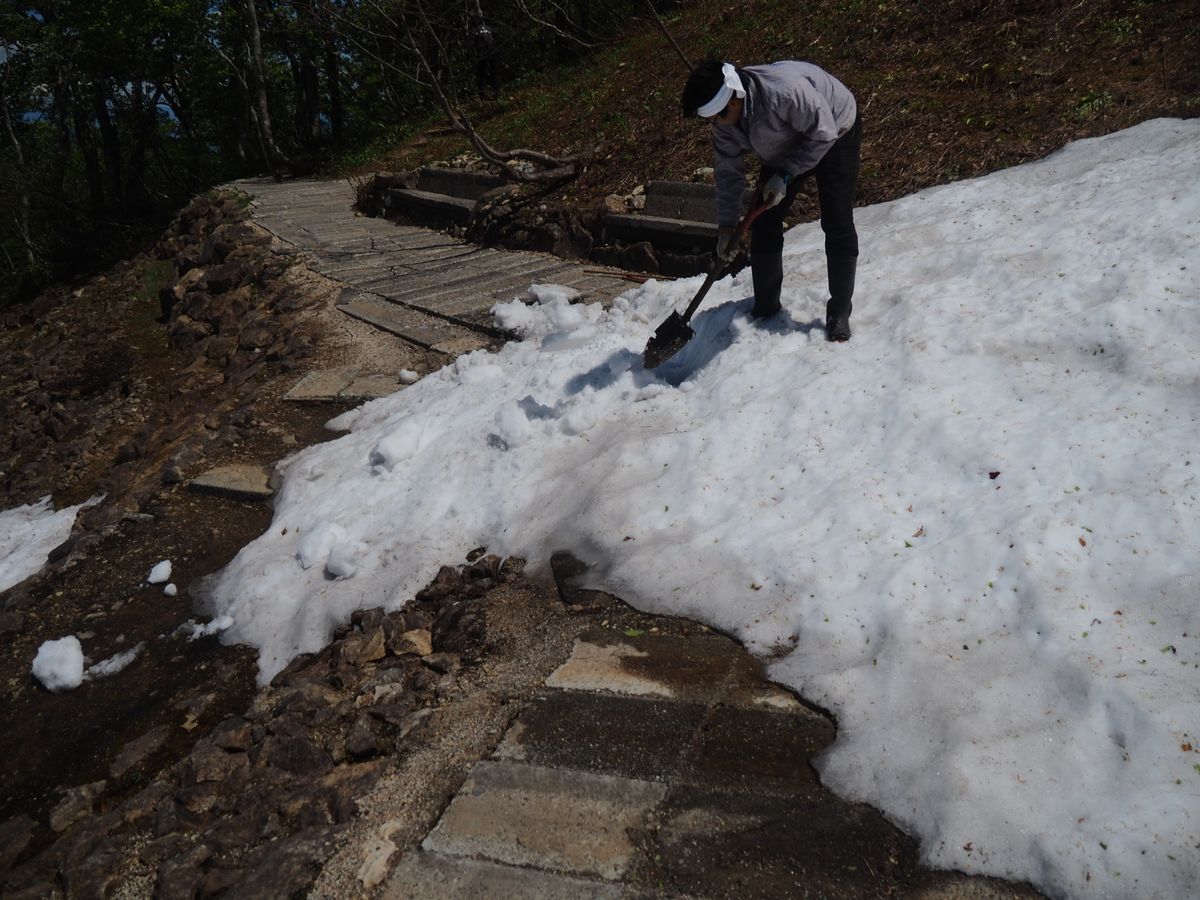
775, 189
726, 247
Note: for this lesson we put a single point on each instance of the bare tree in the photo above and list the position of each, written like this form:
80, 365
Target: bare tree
546, 167
412, 23
257, 86
21, 217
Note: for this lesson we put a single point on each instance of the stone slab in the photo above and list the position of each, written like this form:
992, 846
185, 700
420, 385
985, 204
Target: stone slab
238, 481
481, 295
430, 332
458, 182
715, 844
431, 876
693, 669
369, 387
626, 736
553, 819
415, 203
755, 751
748, 686
460, 344
322, 386
649, 228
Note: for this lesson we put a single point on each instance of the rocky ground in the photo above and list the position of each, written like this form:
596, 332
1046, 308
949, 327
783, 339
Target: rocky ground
126, 387
260, 799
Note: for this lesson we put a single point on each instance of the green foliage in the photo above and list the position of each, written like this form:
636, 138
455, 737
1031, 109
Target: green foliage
120, 110
155, 275
1092, 104
1121, 28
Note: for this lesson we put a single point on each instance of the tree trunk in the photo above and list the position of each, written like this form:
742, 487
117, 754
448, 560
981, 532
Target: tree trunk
181, 105
111, 143
142, 119
333, 80
86, 142
22, 215
62, 154
308, 107
258, 93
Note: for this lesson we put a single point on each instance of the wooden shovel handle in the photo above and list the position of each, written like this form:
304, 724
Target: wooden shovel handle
739, 234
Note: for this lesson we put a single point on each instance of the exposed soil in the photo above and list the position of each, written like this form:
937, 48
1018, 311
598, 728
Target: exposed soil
949, 89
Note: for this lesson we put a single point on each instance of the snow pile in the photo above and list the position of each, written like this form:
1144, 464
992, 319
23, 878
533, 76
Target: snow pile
58, 665
28, 534
161, 572
115, 663
971, 532
192, 630
551, 312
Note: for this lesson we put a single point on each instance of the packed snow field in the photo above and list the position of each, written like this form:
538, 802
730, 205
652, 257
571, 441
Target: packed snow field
27, 534
971, 532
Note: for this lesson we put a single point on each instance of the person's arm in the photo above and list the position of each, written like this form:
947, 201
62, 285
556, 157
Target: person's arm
729, 173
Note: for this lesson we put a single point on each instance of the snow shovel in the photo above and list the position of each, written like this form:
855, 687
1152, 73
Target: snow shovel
673, 334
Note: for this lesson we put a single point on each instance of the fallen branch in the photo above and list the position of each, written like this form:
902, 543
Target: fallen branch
662, 26
554, 168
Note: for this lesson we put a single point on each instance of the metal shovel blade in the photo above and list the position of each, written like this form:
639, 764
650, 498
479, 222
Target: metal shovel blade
668, 340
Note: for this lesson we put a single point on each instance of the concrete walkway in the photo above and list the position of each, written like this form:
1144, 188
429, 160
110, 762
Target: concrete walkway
426, 287
665, 766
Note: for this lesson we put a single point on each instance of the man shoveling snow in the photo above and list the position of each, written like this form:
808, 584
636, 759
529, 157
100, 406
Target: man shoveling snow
800, 121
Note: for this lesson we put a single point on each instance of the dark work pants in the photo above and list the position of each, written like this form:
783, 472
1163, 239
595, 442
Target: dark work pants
836, 176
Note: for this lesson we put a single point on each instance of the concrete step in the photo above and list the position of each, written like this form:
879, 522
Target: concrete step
457, 182
343, 385
364, 269
426, 331
237, 481
626, 736
480, 293
416, 204
703, 669
687, 200
694, 669
715, 844
471, 265
552, 819
673, 234
431, 876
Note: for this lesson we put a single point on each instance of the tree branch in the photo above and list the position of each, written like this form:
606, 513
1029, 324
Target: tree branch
662, 26
552, 27
556, 168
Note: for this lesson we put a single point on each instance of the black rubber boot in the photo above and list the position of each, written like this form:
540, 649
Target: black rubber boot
841, 290
766, 270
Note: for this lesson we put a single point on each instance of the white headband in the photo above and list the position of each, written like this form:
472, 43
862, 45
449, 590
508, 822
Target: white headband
733, 85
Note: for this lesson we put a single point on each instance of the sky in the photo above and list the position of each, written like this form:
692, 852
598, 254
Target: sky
971, 532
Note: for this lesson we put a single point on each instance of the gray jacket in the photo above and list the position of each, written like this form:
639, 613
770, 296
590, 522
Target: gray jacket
793, 113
